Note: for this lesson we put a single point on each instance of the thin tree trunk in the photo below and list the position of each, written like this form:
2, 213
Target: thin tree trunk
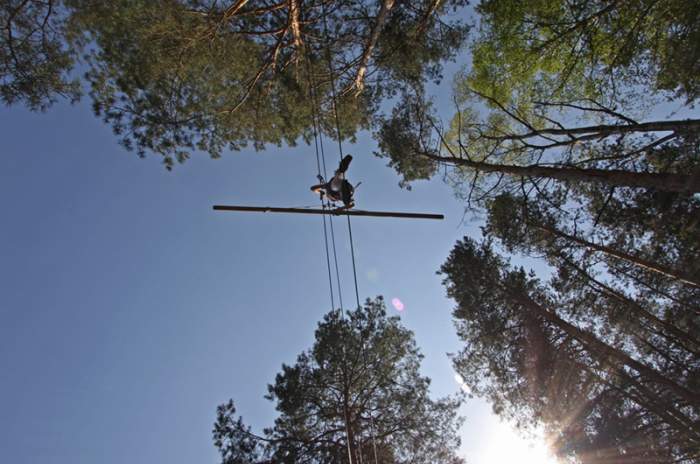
648, 400
655, 267
374, 36
349, 433
667, 412
668, 182
424, 22
347, 416
679, 336
593, 344
619, 269
605, 130
234, 9
294, 12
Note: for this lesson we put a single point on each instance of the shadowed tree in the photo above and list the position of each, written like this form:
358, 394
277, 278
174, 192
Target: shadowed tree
174, 76
554, 95
355, 396
505, 151
34, 59
525, 227
550, 355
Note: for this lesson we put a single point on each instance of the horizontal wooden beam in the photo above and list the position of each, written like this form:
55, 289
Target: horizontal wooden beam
332, 212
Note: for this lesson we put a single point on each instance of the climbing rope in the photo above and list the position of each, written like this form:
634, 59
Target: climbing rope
321, 161
352, 245
334, 100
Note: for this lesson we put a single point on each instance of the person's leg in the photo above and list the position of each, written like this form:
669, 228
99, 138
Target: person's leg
344, 164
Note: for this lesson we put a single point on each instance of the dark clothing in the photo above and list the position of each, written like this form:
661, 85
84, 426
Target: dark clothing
338, 188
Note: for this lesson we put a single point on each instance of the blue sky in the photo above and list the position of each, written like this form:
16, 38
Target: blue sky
129, 309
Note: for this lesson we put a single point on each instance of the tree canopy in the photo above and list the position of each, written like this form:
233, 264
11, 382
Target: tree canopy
610, 377
35, 61
559, 93
172, 76
356, 394
550, 140
597, 49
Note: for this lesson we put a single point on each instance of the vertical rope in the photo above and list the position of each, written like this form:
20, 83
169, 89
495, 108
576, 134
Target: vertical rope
317, 125
337, 272
354, 270
352, 246
340, 150
316, 132
328, 263
335, 256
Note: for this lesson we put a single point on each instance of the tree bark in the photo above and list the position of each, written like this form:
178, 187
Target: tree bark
594, 344
684, 339
424, 22
668, 182
605, 130
294, 12
387, 5
646, 264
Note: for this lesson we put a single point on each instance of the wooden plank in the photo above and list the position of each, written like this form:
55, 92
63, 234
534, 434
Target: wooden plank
333, 212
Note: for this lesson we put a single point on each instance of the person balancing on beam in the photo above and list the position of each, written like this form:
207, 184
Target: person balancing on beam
338, 188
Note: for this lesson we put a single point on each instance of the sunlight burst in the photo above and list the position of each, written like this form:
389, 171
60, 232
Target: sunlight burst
506, 446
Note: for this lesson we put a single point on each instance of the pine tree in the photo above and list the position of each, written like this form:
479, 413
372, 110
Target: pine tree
564, 356
174, 77
355, 396
35, 60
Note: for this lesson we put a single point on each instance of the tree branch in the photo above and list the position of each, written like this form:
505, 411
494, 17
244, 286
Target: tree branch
387, 5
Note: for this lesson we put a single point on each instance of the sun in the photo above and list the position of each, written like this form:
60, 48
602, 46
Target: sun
506, 446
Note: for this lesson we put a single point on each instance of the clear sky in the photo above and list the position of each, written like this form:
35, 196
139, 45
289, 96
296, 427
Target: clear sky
129, 309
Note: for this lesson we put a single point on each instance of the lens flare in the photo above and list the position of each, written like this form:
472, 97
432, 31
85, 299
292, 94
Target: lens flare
398, 304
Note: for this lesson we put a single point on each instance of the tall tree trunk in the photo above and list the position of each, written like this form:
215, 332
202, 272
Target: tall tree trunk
347, 415
647, 400
655, 267
668, 182
594, 344
617, 268
684, 339
605, 130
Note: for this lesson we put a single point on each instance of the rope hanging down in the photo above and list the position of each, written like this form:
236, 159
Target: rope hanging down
329, 210
352, 245
317, 139
340, 147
